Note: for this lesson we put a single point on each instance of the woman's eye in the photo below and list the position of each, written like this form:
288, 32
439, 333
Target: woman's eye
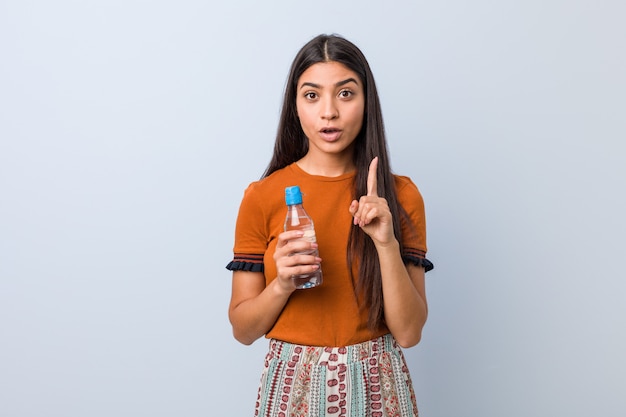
310, 95
345, 93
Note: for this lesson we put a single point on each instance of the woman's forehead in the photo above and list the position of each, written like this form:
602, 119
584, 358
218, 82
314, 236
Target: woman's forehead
328, 74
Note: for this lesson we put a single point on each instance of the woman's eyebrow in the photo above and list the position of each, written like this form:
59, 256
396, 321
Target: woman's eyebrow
344, 82
338, 84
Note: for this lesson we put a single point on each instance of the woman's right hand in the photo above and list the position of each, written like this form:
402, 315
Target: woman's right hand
255, 306
291, 258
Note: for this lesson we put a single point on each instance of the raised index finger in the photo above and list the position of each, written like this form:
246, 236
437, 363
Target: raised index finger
372, 181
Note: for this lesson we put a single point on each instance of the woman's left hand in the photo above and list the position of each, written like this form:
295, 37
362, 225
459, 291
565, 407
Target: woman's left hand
372, 212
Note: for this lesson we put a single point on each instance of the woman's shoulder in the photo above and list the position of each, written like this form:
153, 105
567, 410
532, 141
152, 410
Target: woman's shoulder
268, 185
408, 193
404, 183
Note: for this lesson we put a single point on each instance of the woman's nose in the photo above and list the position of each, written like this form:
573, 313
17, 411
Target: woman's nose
329, 110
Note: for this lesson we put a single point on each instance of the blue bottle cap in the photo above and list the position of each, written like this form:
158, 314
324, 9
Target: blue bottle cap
293, 195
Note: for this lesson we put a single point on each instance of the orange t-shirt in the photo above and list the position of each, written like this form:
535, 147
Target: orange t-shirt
328, 315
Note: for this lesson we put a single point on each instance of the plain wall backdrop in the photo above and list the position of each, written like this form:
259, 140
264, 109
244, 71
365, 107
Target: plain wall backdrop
129, 130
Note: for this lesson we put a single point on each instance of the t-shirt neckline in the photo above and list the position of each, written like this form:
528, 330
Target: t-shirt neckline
341, 177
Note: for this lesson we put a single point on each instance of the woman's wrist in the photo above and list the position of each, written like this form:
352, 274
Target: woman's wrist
390, 246
282, 290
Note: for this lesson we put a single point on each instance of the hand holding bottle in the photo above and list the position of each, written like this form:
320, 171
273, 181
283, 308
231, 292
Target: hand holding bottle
304, 242
295, 257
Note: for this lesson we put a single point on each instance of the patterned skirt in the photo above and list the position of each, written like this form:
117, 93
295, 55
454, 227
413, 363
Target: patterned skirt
369, 379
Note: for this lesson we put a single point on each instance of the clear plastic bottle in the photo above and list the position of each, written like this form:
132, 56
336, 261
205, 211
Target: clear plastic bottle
298, 219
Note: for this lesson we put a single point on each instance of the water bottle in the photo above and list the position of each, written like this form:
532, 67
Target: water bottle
298, 219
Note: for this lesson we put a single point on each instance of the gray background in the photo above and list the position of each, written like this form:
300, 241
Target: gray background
129, 130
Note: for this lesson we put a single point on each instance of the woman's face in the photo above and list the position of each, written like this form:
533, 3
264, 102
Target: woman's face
330, 101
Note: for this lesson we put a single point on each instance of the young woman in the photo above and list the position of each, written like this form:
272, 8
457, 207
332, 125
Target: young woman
334, 349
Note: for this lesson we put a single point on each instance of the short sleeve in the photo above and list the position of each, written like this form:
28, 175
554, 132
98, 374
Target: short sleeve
414, 224
250, 234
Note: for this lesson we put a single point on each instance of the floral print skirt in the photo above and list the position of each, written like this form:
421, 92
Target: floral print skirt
369, 379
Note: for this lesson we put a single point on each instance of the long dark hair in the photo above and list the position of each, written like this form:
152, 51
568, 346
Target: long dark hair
291, 145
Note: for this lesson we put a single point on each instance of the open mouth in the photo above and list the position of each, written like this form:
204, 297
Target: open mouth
330, 134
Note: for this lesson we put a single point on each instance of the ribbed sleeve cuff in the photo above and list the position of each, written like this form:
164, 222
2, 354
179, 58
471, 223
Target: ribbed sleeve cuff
417, 257
246, 262
428, 265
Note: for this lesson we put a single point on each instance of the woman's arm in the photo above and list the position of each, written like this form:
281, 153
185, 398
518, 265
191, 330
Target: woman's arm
404, 293
404, 296
255, 307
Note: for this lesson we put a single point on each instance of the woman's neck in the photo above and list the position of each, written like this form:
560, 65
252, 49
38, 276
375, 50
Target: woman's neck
326, 167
